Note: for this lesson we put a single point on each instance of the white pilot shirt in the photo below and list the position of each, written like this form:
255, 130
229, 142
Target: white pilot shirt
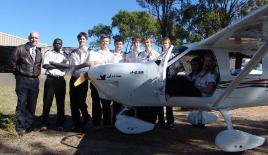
132, 56
148, 56
203, 79
78, 57
57, 57
119, 57
105, 57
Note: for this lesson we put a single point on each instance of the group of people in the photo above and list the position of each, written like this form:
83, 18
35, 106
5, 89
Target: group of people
26, 62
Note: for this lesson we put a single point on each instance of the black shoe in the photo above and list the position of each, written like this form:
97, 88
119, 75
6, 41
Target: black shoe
77, 128
43, 128
86, 120
170, 126
97, 127
60, 128
30, 129
160, 124
21, 132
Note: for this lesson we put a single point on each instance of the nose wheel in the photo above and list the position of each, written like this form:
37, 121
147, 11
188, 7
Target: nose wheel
131, 125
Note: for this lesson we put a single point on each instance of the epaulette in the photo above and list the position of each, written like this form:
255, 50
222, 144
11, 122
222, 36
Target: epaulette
126, 52
74, 50
47, 51
64, 52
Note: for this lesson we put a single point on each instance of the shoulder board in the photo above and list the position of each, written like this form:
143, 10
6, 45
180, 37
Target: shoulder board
74, 50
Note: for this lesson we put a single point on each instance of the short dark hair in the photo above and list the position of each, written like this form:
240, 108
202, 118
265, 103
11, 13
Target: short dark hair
164, 39
118, 39
103, 36
82, 34
198, 60
134, 39
56, 40
147, 38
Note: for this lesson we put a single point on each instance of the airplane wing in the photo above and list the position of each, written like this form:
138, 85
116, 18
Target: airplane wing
248, 33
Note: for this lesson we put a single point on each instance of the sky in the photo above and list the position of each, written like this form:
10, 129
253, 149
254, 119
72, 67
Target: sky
59, 18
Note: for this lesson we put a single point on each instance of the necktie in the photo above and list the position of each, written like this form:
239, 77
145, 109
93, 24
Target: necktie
33, 53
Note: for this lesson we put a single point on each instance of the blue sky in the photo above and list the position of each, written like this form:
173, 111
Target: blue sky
59, 18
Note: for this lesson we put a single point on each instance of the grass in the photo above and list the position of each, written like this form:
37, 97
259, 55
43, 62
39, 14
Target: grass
8, 102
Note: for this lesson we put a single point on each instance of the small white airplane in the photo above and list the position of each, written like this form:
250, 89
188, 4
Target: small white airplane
144, 84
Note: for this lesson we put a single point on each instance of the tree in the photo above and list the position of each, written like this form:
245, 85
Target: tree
203, 18
96, 32
135, 24
165, 12
252, 5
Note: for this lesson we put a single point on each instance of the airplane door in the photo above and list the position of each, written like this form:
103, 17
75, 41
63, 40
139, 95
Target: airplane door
172, 55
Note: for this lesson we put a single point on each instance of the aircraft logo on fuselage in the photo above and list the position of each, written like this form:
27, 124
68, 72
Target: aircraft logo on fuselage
105, 76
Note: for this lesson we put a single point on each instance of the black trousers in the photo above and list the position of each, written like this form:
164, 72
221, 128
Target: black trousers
147, 114
96, 107
101, 108
160, 115
78, 104
117, 107
106, 111
169, 115
27, 90
54, 86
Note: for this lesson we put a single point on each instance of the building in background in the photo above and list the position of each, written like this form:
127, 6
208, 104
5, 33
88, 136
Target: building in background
7, 44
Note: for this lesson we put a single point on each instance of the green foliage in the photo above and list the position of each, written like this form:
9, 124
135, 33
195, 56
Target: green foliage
203, 18
96, 32
252, 5
135, 24
181, 20
7, 123
165, 11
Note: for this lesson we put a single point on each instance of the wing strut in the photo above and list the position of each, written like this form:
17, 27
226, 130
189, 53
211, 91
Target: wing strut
251, 64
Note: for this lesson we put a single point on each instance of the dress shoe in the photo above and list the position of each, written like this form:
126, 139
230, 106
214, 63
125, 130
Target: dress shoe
43, 128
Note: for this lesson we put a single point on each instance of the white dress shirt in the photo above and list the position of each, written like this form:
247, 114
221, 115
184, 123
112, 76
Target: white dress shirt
119, 57
57, 57
146, 56
106, 57
33, 52
132, 56
78, 57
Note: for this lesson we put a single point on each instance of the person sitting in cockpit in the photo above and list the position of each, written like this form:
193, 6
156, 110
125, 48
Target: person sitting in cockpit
206, 79
196, 67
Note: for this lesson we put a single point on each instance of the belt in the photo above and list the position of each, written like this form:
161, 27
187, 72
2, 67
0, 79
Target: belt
55, 77
28, 77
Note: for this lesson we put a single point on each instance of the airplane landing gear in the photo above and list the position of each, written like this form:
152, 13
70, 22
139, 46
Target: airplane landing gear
131, 125
201, 118
231, 140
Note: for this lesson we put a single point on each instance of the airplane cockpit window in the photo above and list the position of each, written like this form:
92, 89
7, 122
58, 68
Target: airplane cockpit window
176, 51
239, 60
194, 74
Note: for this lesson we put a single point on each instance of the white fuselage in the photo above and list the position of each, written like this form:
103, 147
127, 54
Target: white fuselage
132, 84
143, 84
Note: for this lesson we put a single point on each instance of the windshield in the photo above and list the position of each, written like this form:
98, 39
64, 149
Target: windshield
176, 51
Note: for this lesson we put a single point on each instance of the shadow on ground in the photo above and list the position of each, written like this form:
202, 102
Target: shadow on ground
184, 139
